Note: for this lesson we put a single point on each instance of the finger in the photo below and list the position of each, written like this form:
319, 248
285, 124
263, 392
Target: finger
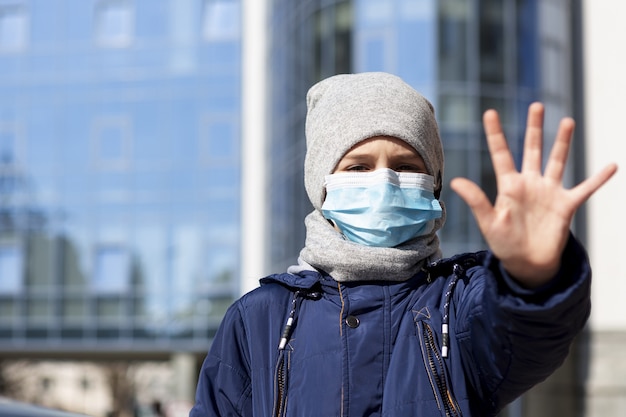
533, 139
501, 157
585, 189
475, 198
558, 156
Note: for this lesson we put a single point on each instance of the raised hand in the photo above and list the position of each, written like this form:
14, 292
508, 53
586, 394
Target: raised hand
528, 226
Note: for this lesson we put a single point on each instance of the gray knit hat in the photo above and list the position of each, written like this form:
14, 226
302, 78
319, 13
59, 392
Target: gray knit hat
346, 109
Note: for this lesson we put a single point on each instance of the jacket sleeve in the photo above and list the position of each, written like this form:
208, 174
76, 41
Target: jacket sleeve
224, 387
513, 338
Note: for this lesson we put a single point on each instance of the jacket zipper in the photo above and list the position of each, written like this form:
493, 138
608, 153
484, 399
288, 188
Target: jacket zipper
436, 367
280, 378
281, 373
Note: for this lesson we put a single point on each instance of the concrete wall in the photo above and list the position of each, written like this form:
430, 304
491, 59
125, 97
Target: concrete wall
605, 117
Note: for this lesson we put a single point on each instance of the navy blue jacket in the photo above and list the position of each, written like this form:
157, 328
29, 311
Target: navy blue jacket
381, 348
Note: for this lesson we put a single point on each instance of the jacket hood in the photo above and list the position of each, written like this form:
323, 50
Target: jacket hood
304, 280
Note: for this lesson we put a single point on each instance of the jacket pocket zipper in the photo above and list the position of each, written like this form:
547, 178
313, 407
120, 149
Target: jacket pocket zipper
436, 369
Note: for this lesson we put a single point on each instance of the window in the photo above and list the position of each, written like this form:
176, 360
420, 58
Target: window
375, 51
333, 40
221, 20
376, 11
527, 52
453, 34
111, 272
455, 111
417, 9
13, 28
111, 142
218, 139
492, 41
11, 268
114, 21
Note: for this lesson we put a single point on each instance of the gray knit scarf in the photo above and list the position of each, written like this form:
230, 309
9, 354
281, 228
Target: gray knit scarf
328, 250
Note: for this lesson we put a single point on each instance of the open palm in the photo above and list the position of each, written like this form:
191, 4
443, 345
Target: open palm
528, 226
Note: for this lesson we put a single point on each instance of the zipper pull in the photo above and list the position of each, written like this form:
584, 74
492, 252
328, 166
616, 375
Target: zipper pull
287, 330
445, 334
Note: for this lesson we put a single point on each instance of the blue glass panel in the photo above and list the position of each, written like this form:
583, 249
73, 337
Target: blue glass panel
75, 142
151, 18
151, 143
13, 28
11, 269
111, 144
43, 144
218, 142
225, 178
221, 20
220, 56
374, 58
371, 13
527, 44
111, 270
417, 63
114, 22
8, 144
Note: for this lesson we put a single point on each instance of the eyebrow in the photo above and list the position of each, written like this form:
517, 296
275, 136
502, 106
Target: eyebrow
354, 154
362, 155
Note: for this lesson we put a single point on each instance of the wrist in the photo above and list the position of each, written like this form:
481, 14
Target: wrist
529, 275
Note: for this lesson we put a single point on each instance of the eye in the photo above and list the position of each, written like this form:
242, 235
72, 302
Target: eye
411, 168
357, 168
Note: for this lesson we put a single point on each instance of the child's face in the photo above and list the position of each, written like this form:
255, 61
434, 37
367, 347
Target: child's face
382, 152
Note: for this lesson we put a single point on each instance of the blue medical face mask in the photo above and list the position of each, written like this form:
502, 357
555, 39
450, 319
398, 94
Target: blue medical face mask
381, 208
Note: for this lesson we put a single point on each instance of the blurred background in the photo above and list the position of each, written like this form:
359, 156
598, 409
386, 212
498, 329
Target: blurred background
151, 158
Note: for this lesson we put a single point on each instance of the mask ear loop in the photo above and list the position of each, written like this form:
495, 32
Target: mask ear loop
437, 188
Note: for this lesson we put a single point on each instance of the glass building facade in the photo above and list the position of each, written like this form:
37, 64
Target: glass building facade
119, 173
120, 145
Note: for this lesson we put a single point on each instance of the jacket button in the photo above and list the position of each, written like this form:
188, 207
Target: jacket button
352, 322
